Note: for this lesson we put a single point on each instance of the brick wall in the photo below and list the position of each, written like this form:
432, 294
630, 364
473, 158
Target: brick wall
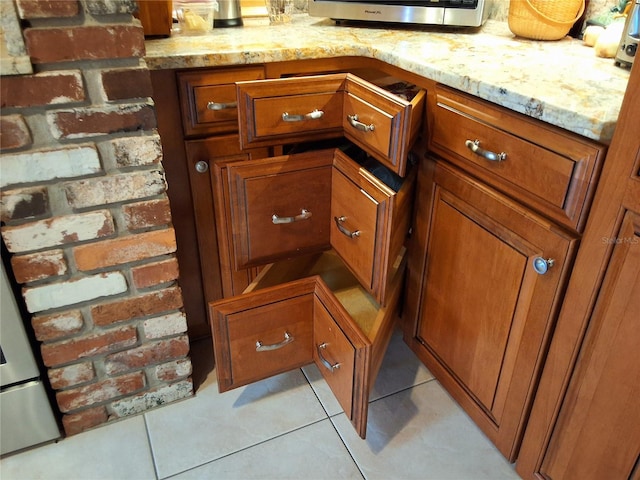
85, 214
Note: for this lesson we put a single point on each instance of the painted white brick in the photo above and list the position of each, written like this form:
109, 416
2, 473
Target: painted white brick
40, 166
115, 188
58, 231
61, 294
165, 325
154, 398
136, 151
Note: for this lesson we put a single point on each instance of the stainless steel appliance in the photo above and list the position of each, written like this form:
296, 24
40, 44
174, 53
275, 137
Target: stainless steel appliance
460, 13
630, 37
229, 14
26, 417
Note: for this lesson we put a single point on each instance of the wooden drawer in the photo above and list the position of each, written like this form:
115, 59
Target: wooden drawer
290, 110
350, 331
548, 169
208, 99
382, 123
280, 207
291, 205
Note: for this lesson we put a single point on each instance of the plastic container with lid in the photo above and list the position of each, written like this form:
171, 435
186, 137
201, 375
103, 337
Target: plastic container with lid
195, 17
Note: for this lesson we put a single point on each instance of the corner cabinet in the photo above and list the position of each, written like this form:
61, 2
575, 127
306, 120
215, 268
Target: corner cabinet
500, 205
324, 227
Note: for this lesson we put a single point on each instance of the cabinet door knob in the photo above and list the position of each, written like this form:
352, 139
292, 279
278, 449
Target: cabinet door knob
542, 265
474, 146
202, 166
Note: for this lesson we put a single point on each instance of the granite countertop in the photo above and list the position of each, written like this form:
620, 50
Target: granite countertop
562, 83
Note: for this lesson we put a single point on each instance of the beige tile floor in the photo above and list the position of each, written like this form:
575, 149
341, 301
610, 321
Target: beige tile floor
286, 427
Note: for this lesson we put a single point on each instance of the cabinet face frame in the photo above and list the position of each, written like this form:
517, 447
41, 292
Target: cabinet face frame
538, 299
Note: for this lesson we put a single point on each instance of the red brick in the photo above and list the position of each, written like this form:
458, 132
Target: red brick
71, 375
109, 389
63, 44
47, 8
152, 213
135, 307
124, 249
84, 420
155, 273
57, 325
148, 354
86, 122
47, 88
127, 83
88, 346
36, 266
24, 203
14, 132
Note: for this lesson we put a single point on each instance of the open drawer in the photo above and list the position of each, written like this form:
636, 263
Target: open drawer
308, 310
291, 205
382, 121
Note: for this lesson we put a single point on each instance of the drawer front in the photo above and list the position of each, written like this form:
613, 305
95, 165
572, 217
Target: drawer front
334, 355
548, 170
382, 123
261, 334
355, 215
296, 116
290, 110
280, 207
208, 99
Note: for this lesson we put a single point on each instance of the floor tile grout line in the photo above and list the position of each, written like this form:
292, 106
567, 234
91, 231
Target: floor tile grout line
266, 440
150, 444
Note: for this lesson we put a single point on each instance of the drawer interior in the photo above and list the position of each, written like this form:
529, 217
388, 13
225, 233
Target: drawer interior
359, 304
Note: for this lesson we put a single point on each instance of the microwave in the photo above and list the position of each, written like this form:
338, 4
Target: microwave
457, 13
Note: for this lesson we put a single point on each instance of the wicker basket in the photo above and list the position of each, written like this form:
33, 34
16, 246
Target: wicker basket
544, 19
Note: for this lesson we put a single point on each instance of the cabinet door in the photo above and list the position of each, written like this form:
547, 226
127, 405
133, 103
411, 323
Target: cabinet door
207, 159
597, 434
485, 313
280, 207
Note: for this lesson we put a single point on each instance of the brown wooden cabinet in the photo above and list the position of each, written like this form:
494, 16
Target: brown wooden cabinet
585, 421
490, 256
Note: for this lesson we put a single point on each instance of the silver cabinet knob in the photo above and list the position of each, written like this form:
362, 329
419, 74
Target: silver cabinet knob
202, 166
542, 265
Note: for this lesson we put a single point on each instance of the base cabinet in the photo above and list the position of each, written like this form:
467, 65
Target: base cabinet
486, 312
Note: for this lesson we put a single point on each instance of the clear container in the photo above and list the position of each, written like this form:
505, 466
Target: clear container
195, 17
279, 11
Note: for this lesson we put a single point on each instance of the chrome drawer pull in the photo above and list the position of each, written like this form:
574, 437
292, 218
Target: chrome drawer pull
304, 215
343, 230
486, 154
353, 120
260, 347
326, 363
221, 106
315, 115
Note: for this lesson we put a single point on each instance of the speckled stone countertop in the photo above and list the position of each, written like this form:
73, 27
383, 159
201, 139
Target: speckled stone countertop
562, 83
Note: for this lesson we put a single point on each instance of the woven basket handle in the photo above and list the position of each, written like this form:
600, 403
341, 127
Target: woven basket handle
553, 20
